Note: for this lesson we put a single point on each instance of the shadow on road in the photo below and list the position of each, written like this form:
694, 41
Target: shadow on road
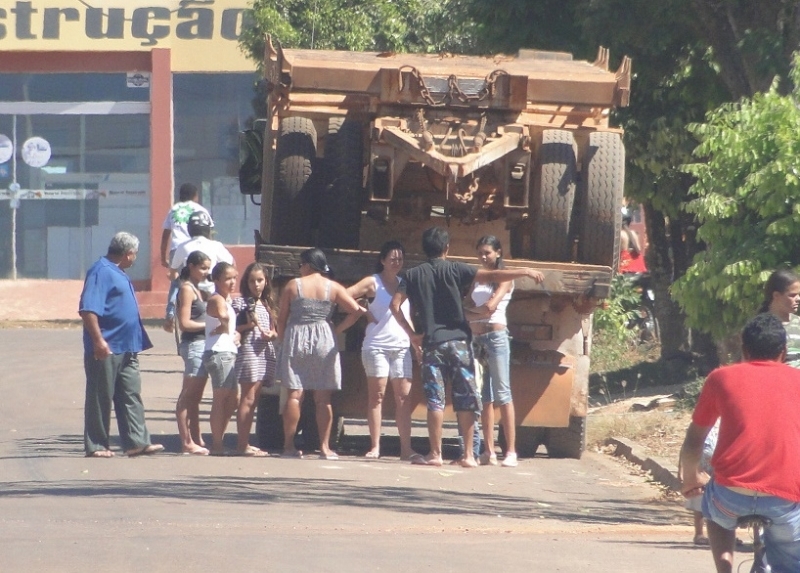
304, 491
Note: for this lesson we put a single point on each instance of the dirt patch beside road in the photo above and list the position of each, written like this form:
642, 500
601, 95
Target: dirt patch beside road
661, 431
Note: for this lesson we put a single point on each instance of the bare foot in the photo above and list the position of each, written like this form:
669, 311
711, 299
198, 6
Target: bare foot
145, 450
196, 450
252, 452
435, 461
469, 463
101, 454
408, 455
373, 454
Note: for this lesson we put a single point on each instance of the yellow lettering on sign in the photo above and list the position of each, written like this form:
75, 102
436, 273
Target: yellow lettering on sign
203, 35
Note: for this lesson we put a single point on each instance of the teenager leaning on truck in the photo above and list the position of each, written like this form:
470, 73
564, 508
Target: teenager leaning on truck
436, 289
492, 347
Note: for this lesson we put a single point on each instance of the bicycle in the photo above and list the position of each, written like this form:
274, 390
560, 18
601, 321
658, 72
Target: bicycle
756, 524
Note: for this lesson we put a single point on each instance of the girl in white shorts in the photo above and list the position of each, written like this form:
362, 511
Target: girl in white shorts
385, 352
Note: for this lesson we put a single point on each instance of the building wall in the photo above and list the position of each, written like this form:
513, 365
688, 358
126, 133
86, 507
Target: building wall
182, 59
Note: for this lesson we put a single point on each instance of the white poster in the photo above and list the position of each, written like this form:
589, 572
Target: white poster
36, 152
6, 148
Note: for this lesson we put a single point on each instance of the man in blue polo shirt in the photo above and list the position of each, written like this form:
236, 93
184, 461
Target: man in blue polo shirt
436, 289
113, 336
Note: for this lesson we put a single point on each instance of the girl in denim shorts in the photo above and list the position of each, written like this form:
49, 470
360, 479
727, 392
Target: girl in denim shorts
191, 314
222, 341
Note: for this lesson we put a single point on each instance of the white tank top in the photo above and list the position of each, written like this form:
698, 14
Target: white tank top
221, 342
386, 332
481, 293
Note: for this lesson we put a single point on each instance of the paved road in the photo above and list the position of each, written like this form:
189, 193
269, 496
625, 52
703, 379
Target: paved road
62, 512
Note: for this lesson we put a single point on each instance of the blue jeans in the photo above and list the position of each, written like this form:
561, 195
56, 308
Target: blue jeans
476, 438
781, 539
493, 350
172, 296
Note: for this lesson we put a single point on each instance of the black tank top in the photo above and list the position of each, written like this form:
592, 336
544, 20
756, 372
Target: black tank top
198, 314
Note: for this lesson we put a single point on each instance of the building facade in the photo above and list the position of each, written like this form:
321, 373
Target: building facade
106, 108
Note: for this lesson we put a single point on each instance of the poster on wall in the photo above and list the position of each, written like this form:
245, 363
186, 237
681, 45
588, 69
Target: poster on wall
6, 148
36, 152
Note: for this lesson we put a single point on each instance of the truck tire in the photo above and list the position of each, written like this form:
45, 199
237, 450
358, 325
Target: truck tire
343, 194
569, 442
293, 191
308, 433
601, 199
554, 196
529, 438
269, 424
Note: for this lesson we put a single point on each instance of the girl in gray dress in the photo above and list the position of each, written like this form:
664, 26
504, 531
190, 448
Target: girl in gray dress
309, 358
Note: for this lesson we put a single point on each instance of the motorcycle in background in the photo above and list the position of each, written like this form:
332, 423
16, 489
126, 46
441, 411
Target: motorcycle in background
643, 318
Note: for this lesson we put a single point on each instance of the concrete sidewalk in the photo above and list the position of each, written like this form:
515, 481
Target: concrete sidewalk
36, 300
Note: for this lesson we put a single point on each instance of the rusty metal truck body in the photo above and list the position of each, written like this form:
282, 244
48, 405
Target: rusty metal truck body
360, 148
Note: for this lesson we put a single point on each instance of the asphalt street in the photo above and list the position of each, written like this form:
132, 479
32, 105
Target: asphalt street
62, 512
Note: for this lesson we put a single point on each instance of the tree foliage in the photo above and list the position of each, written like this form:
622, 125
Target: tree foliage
746, 202
363, 25
689, 57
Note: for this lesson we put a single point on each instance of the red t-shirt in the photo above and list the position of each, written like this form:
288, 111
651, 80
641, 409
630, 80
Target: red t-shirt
759, 434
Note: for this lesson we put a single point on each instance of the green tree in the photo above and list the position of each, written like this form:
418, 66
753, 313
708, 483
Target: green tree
363, 25
689, 56
746, 201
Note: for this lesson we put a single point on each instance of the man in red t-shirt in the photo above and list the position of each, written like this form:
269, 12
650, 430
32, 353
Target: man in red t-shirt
757, 460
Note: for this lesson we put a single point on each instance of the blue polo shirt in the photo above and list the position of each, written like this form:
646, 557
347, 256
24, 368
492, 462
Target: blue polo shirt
108, 293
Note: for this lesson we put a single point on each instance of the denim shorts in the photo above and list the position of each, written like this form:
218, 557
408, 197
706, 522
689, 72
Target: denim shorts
782, 538
450, 362
493, 350
220, 366
389, 363
192, 354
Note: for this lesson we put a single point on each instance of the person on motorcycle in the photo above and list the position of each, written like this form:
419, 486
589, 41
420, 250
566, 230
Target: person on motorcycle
756, 462
631, 257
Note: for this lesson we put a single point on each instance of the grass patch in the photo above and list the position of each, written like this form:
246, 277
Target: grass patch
622, 369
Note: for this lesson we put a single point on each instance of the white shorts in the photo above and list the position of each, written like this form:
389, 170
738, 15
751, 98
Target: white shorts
387, 362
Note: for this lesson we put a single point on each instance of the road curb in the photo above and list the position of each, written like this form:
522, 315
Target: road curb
662, 471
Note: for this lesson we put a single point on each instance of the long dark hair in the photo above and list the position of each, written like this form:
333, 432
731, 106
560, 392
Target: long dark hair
195, 258
266, 294
387, 248
779, 282
317, 260
493, 242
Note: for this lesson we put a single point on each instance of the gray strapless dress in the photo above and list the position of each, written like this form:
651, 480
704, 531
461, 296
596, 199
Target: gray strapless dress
309, 357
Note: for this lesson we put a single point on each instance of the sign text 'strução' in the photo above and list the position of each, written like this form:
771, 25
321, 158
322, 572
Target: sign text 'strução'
26, 21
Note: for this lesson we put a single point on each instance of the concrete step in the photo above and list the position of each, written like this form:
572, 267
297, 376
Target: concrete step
152, 304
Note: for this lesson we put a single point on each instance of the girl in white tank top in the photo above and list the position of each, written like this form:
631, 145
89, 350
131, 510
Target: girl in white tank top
222, 342
490, 339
